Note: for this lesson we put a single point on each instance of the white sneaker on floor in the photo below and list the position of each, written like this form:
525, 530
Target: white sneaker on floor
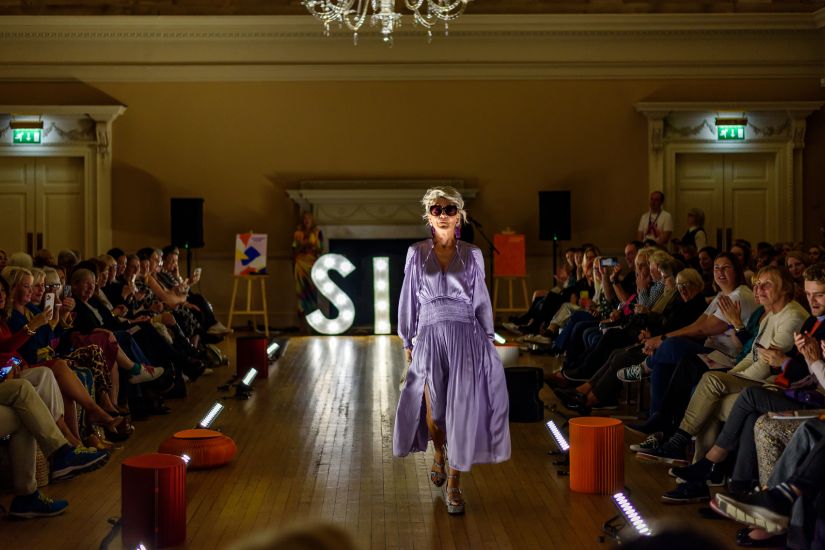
146, 374
539, 339
512, 327
218, 329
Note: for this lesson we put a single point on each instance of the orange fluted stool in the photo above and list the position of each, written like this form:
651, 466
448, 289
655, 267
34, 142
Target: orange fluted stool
596, 455
153, 500
206, 448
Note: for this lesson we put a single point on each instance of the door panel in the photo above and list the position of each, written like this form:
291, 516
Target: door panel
748, 209
16, 203
699, 184
749, 197
736, 191
41, 196
60, 202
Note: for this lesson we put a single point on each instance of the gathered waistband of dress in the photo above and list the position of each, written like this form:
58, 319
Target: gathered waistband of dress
445, 310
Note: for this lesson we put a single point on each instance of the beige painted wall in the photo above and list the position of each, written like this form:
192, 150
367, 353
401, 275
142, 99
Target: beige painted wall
239, 145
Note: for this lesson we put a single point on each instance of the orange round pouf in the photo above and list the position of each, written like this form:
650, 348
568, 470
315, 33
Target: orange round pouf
596, 455
206, 448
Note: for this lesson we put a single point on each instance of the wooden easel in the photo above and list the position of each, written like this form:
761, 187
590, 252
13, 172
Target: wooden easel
249, 311
510, 305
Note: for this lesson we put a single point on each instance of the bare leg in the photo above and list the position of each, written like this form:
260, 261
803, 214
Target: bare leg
72, 389
115, 389
439, 437
70, 417
585, 388
73, 440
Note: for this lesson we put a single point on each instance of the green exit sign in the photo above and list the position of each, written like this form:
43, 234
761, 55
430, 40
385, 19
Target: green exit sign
730, 133
26, 135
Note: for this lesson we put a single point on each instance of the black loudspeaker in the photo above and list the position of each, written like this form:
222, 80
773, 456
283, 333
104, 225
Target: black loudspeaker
554, 215
187, 223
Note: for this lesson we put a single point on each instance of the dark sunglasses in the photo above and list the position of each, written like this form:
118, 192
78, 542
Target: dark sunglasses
451, 210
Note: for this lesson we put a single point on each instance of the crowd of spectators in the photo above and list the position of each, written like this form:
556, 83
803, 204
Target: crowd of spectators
731, 346
86, 347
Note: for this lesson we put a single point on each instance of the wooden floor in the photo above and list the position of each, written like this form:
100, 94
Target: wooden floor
315, 442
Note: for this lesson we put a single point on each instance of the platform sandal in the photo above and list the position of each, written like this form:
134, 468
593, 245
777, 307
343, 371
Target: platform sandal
438, 478
455, 501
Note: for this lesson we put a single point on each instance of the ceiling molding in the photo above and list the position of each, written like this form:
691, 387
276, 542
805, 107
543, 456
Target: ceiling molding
480, 47
819, 18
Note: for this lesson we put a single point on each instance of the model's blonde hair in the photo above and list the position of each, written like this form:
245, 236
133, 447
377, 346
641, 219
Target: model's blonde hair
443, 192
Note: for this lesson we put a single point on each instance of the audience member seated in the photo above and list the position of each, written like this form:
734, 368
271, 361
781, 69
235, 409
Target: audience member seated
663, 268
31, 337
24, 417
791, 501
666, 350
742, 252
796, 262
543, 310
801, 377
169, 276
784, 317
706, 257
604, 387
44, 258
816, 253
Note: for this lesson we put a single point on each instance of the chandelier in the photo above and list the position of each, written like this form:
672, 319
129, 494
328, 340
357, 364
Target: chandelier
354, 13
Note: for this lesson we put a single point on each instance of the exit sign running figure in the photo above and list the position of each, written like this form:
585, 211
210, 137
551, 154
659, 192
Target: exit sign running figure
26, 135
730, 133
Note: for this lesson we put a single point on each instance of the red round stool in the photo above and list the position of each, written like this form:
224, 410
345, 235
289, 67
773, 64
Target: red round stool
205, 448
153, 500
596, 455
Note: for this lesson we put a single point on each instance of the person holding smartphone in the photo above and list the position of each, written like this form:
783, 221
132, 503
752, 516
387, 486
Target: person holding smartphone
37, 349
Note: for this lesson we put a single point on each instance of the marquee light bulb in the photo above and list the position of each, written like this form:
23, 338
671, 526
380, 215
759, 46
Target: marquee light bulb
381, 294
331, 291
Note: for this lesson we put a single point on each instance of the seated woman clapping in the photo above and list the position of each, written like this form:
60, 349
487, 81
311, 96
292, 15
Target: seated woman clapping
666, 350
784, 316
604, 387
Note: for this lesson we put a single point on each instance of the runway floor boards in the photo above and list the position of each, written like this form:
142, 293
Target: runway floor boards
315, 443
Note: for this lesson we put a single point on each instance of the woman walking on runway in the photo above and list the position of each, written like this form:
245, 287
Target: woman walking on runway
455, 393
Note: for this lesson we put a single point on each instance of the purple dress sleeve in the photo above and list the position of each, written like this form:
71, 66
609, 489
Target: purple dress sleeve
408, 302
481, 298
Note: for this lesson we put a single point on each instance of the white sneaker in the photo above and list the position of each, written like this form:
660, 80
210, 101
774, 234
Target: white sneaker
218, 329
539, 339
146, 374
512, 327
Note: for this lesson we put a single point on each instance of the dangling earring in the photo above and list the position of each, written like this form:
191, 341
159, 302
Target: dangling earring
457, 231
432, 230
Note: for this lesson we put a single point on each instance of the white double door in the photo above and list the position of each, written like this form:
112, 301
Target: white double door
41, 204
737, 191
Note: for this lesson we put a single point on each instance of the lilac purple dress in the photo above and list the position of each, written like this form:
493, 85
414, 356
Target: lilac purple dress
446, 317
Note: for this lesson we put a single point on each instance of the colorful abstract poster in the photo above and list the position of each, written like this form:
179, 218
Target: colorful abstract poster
250, 254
